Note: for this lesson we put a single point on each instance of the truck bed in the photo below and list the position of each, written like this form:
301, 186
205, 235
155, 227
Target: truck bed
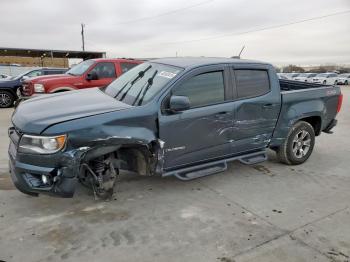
300, 100
289, 85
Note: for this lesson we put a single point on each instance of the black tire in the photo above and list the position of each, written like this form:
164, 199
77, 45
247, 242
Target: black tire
299, 144
346, 82
324, 82
6, 99
335, 82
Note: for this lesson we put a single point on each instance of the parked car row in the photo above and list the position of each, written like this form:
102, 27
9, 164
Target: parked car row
9, 86
87, 74
323, 78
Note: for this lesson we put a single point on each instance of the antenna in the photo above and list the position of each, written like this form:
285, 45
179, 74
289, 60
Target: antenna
239, 55
241, 51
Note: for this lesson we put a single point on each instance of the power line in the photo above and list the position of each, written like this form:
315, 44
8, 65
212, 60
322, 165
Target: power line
257, 30
166, 13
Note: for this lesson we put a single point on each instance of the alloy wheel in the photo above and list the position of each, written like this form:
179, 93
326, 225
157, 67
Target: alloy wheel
301, 144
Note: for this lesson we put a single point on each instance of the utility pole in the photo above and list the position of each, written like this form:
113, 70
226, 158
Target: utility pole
82, 36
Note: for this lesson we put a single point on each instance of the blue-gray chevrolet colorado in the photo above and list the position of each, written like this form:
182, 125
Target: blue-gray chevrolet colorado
185, 117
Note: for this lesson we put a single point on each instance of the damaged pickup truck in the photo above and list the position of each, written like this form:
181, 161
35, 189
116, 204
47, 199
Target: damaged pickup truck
185, 117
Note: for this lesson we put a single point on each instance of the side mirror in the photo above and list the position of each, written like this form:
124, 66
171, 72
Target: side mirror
91, 76
179, 103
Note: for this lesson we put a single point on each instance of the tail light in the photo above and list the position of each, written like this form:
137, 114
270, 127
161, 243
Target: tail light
340, 101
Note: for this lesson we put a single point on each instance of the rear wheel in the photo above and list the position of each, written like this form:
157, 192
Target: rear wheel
298, 145
346, 82
6, 99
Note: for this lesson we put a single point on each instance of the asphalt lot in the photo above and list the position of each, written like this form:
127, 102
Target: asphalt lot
265, 212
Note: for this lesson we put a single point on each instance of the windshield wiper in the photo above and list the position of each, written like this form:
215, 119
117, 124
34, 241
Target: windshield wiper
139, 76
149, 84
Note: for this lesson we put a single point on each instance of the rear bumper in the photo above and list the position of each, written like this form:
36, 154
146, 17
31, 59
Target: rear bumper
330, 126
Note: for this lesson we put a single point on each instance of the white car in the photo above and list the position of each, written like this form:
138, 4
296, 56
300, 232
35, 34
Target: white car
305, 77
344, 79
282, 76
326, 79
3, 76
291, 76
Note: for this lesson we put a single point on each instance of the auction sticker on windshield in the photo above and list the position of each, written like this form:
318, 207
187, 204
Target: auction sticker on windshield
167, 74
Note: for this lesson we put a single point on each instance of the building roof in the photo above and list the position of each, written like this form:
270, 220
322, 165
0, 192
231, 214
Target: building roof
185, 62
27, 52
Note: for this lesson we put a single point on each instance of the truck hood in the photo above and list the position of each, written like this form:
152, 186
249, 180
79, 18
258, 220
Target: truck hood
38, 78
64, 78
8, 83
36, 114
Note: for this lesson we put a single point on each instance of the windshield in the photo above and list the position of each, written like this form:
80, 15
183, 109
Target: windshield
322, 75
80, 68
20, 75
344, 75
140, 84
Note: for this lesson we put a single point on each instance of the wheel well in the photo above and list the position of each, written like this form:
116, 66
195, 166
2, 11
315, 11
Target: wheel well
9, 90
315, 122
136, 158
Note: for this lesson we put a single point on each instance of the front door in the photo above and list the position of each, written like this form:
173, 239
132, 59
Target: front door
202, 132
105, 72
257, 106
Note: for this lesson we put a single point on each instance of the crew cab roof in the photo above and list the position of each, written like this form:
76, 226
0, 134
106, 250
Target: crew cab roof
186, 62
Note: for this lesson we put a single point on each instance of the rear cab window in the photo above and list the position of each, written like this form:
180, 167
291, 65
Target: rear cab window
126, 66
251, 82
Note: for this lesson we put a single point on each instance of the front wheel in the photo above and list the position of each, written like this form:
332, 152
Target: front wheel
324, 82
298, 145
6, 99
346, 82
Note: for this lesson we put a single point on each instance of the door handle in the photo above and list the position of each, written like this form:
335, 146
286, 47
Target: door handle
267, 106
221, 114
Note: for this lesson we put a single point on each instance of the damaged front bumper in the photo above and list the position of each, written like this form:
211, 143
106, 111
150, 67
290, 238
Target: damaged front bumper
55, 174
33, 180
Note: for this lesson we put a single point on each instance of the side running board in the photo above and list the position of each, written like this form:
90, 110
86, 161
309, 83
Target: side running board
211, 168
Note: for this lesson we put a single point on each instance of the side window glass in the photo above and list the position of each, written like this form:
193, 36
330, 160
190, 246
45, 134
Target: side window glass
252, 83
104, 70
203, 89
127, 66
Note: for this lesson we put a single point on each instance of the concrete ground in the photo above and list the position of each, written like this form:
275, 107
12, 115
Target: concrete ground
266, 212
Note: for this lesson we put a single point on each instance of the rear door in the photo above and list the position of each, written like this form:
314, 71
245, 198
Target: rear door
202, 132
257, 106
106, 73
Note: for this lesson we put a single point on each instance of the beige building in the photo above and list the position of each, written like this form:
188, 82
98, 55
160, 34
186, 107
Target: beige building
35, 61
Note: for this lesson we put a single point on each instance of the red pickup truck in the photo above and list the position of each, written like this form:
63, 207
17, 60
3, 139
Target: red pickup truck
89, 73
